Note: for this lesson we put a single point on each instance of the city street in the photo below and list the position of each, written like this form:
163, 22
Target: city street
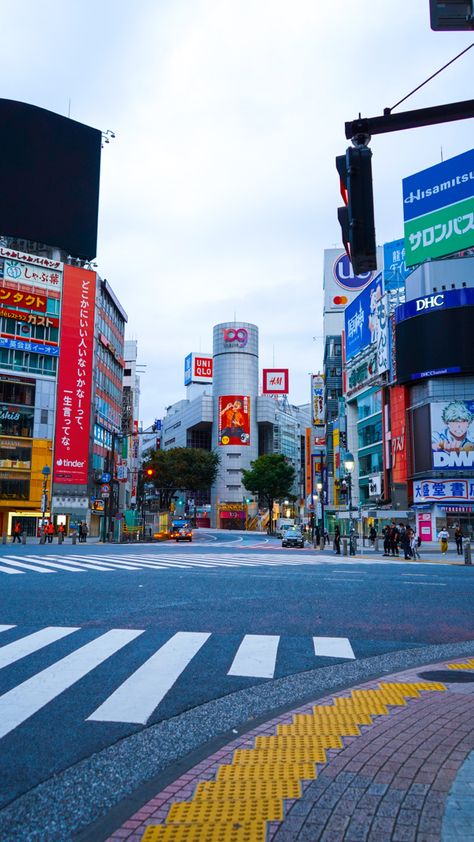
89, 659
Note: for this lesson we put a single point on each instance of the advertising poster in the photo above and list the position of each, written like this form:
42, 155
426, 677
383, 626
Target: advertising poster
452, 435
438, 208
317, 400
234, 420
361, 319
75, 377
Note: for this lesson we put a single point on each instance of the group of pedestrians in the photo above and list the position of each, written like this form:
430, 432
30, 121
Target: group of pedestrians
397, 537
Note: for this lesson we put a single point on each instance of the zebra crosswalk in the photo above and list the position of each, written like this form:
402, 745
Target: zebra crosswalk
152, 676
135, 560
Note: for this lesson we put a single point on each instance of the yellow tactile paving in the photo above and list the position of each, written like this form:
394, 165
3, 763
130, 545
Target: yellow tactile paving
268, 770
266, 809
251, 790
236, 790
206, 832
467, 665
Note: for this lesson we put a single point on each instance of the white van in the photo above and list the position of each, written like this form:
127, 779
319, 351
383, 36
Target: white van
282, 524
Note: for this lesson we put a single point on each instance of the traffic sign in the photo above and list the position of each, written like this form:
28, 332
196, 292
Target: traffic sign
105, 489
105, 477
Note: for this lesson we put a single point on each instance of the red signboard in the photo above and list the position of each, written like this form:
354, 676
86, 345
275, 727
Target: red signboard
234, 419
26, 300
398, 408
202, 368
73, 415
275, 381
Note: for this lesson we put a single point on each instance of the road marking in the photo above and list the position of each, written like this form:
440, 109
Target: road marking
18, 704
256, 656
333, 647
8, 570
5, 628
12, 652
44, 560
10, 560
136, 699
429, 584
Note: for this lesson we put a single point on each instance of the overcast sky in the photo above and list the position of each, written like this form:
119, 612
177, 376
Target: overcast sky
219, 193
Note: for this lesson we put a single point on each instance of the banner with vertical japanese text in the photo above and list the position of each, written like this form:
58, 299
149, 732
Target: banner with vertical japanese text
73, 406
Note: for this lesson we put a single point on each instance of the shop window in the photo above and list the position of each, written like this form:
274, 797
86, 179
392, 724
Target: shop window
14, 489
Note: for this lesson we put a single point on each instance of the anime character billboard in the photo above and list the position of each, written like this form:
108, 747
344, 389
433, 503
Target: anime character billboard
452, 440
234, 420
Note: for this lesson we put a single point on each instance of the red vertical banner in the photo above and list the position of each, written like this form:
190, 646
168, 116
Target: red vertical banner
73, 406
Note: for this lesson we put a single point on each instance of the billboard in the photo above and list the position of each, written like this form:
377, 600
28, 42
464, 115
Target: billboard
444, 300
438, 342
73, 413
197, 368
361, 318
275, 381
234, 420
340, 283
394, 265
425, 490
318, 408
438, 209
49, 174
399, 400
452, 438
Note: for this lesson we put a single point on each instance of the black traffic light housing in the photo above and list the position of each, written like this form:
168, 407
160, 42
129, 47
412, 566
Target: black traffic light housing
356, 217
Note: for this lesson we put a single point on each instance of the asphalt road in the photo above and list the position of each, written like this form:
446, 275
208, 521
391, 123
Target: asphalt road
101, 642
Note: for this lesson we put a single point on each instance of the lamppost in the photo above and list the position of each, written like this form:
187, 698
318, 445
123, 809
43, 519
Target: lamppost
349, 465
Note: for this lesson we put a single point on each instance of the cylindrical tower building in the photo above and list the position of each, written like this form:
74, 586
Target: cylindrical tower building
235, 432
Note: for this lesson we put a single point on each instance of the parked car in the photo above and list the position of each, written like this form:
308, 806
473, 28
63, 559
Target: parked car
293, 538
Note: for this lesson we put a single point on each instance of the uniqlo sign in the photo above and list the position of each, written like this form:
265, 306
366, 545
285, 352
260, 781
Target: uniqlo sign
73, 407
202, 369
275, 381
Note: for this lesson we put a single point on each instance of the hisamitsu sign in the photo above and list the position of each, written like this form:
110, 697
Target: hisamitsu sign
438, 209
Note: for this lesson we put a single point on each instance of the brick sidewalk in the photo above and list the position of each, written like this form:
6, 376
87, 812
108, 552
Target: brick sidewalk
390, 783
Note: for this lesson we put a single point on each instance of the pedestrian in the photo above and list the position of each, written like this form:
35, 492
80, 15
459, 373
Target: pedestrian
326, 536
386, 541
415, 544
394, 539
50, 531
458, 536
84, 532
61, 530
405, 542
372, 535
337, 540
443, 536
16, 534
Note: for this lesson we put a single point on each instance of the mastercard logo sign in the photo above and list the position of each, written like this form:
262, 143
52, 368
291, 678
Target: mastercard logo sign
340, 300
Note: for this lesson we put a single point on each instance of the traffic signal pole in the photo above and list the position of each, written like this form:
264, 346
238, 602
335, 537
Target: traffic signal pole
361, 130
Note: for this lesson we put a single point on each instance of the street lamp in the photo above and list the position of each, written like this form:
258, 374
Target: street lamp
349, 465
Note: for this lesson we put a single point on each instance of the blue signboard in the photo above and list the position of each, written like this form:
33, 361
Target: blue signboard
188, 369
394, 266
439, 186
463, 297
358, 318
33, 347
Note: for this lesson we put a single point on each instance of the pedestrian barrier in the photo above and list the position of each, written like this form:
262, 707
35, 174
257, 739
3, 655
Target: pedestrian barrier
74, 538
467, 553
23, 537
4, 538
344, 546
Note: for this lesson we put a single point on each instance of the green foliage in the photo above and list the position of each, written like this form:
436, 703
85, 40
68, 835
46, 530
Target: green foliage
271, 477
183, 469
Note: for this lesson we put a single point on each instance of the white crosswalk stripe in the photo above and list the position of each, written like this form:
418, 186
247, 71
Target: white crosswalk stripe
166, 560
27, 698
256, 656
136, 698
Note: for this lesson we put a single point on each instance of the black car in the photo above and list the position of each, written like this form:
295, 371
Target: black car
293, 538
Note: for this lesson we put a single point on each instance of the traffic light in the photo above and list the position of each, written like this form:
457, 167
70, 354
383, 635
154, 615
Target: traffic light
356, 217
150, 473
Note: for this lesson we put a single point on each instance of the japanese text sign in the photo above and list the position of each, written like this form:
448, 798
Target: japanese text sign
75, 377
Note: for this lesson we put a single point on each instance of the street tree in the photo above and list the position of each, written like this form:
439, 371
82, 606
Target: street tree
180, 469
271, 477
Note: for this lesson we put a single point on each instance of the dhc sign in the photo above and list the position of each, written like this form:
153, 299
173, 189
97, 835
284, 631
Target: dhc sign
463, 297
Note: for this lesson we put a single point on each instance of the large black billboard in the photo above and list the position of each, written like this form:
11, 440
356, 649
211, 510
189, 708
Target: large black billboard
49, 178
434, 343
